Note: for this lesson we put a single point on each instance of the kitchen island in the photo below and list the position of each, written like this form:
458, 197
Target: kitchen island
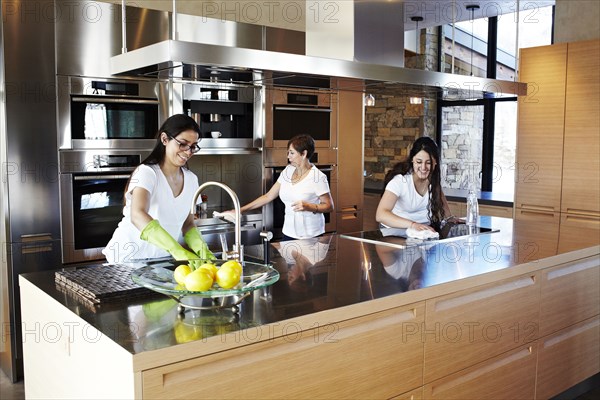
497, 315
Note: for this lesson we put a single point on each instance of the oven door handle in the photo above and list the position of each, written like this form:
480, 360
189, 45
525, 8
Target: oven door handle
94, 177
303, 109
112, 100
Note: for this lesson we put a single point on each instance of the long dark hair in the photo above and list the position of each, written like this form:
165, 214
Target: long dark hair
436, 207
173, 126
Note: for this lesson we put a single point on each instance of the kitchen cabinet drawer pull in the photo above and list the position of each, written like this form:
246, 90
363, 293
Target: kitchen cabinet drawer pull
485, 293
570, 333
542, 209
583, 218
304, 109
573, 268
550, 214
352, 208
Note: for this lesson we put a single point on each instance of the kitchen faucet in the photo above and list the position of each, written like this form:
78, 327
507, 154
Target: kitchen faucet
238, 249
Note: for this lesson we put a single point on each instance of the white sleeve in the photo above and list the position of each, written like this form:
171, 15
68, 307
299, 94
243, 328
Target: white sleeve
396, 185
144, 177
321, 186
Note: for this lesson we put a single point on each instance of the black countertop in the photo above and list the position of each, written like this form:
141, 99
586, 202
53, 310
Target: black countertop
334, 271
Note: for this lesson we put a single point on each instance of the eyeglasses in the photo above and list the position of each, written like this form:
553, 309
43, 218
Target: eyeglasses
185, 147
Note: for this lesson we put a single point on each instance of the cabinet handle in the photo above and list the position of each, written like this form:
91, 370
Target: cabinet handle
570, 333
485, 293
533, 207
582, 218
573, 268
550, 214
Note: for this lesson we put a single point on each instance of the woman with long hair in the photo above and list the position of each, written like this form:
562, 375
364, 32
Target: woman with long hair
158, 198
413, 196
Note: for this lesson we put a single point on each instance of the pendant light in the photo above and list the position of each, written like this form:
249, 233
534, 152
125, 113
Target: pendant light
416, 19
472, 8
369, 100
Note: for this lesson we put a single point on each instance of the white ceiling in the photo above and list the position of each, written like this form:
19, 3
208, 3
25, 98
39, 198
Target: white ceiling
440, 12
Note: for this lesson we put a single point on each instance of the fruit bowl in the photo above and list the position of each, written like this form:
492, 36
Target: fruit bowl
158, 276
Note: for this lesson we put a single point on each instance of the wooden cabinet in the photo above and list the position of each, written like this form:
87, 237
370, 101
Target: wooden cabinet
578, 231
557, 138
569, 294
416, 394
568, 357
541, 117
350, 124
508, 376
470, 326
530, 223
581, 161
325, 362
457, 208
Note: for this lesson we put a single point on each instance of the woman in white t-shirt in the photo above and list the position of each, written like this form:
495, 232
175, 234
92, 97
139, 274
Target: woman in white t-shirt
158, 199
413, 196
304, 191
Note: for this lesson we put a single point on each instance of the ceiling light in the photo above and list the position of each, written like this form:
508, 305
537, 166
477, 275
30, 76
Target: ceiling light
369, 100
416, 100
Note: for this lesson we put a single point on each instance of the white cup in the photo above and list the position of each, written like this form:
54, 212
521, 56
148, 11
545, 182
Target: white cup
215, 134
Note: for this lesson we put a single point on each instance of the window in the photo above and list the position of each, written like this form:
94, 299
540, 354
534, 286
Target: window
478, 138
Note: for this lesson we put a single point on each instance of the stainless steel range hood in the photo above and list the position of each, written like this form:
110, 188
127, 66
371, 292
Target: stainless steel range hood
169, 57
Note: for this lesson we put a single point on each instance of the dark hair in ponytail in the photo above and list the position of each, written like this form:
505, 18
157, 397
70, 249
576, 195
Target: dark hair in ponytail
436, 206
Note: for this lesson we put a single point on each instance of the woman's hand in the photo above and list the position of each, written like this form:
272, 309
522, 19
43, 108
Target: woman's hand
421, 227
302, 206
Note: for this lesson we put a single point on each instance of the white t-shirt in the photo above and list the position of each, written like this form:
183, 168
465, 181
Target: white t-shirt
170, 211
302, 224
410, 204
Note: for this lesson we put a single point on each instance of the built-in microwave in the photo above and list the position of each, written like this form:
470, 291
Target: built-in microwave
96, 113
292, 112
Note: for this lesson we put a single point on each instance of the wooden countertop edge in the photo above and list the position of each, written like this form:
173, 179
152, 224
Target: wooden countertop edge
153, 359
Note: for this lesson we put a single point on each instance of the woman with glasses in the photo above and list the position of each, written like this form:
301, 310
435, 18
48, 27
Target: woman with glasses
157, 201
413, 196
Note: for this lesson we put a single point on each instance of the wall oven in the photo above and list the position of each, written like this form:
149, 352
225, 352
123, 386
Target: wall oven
290, 112
92, 185
98, 113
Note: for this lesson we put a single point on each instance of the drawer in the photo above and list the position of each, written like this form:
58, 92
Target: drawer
568, 357
325, 362
507, 376
495, 211
570, 294
541, 225
472, 325
578, 232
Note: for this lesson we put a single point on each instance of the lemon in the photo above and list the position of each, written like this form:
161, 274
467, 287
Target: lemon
181, 272
233, 264
198, 281
187, 333
210, 268
227, 277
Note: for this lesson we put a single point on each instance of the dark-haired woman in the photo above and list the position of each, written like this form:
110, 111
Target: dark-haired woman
413, 196
158, 199
304, 191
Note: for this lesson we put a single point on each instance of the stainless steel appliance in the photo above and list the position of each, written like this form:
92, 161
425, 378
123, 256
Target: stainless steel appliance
293, 111
100, 113
92, 185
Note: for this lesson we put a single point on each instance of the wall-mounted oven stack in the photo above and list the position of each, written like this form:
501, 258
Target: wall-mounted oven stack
106, 127
294, 111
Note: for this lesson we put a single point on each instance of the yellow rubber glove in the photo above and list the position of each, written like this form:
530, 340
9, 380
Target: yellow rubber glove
158, 236
194, 240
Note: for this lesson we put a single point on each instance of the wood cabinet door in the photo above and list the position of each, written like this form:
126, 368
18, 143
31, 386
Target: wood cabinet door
540, 128
578, 231
541, 225
570, 294
471, 326
495, 211
458, 209
508, 376
568, 357
581, 160
323, 363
